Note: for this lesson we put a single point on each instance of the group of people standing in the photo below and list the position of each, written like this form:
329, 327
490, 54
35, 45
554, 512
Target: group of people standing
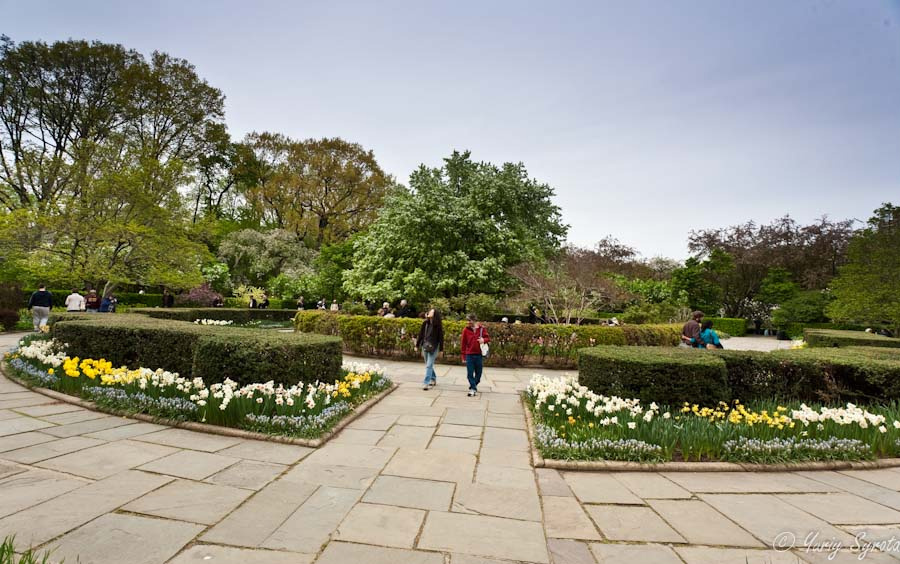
473, 348
699, 334
41, 302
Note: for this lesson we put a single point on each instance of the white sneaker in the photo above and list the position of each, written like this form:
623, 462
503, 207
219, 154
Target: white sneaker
471, 393
426, 387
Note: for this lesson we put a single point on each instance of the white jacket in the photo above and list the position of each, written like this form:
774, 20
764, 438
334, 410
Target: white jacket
74, 302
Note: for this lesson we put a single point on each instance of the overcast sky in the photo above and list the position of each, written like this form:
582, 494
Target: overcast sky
648, 118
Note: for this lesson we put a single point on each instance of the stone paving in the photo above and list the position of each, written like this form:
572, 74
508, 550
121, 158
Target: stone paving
425, 477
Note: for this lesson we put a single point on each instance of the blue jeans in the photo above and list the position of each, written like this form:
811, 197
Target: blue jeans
430, 375
474, 366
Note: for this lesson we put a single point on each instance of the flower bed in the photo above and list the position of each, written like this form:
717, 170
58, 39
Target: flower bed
573, 423
302, 410
218, 322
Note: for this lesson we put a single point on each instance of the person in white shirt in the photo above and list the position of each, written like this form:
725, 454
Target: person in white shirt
335, 306
74, 301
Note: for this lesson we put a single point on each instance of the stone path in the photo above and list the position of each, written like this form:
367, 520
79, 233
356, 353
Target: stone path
425, 477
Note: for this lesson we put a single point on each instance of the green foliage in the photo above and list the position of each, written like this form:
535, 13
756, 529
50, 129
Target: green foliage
648, 312
456, 230
11, 554
805, 307
240, 316
672, 376
696, 281
837, 338
651, 291
254, 257
511, 344
661, 374
209, 352
777, 287
866, 289
482, 305
729, 325
218, 276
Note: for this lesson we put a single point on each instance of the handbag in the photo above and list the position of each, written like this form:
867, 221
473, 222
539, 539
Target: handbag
428, 347
485, 349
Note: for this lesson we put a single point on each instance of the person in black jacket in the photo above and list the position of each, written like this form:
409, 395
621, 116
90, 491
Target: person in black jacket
431, 341
40, 304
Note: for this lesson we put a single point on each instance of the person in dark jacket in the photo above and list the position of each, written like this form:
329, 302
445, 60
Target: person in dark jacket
431, 341
40, 304
405, 310
264, 304
690, 333
168, 299
473, 336
92, 302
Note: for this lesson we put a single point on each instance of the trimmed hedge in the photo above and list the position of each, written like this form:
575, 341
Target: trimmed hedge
242, 315
670, 376
511, 344
209, 352
835, 338
730, 325
661, 374
125, 298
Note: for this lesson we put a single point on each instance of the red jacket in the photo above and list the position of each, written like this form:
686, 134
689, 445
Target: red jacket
469, 343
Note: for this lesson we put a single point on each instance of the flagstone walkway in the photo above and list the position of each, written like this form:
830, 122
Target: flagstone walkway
425, 477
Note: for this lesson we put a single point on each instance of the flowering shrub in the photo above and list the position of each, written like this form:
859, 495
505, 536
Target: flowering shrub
305, 410
573, 422
214, 322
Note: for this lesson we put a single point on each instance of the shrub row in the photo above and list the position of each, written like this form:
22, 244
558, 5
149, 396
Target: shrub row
243, 315
730, 325
511, 344
671, 376
125, 298
835, 338
209, 352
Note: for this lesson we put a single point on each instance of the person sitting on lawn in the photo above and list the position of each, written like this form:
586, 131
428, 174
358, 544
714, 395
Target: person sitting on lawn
709, 337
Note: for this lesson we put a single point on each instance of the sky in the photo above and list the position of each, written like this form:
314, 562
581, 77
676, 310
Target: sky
649, 119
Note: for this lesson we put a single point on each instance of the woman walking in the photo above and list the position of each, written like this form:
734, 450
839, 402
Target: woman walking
431, 341
474, 337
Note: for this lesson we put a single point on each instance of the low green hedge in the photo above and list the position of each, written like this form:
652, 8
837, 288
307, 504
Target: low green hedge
511, 344
661, 374
124, 298
239, 316
209, 352
730, 325
836, 338
670, 376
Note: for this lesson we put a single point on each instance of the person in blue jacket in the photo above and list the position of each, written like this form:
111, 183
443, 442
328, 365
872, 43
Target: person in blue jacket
708, 336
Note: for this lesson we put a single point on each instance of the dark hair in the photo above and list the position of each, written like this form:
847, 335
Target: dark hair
436, 320
706, 324
471, 317
697, 314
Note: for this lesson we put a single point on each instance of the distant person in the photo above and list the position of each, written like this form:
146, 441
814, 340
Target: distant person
690, 333
430, 341
168, 300
300, 303
92, 302
532, 314
708, 337
474, 335
404, 310
105, 304
74, 301
218, 302
253, 303
886, 333
335, 306
264, 303
40, 304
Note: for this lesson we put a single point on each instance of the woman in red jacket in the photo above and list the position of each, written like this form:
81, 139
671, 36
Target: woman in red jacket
473, 336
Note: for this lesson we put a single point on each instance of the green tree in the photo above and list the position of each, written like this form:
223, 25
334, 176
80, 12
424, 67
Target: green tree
255, 257
455, 231
867, 289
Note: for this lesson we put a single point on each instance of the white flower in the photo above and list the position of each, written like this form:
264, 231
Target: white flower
667, 415
632, 424
882, 429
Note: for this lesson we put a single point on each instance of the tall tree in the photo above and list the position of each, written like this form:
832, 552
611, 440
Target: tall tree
867, 289
455, 231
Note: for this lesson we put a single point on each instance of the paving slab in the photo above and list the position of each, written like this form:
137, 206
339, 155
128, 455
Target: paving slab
34, 486
503, 457
47, 409
564, 518
419, 420
253, 522
634, 553
23, 402
72, 509
182, 438
329, 475
481, 499
885, 477
479, 535
360, 456
21, 425
8, 414
699, 523
214, 554
375, 421
714, 555
126, 431
746, 482
563, 551
650, 485
116, 538
432, 464
384, 525
9, 469
407, 436
311, 526
768, 518
828, 556
76, 415
624, 523
595, 487
550, 482
58, 447
506, 421
248, 474
106, 459
459, 416
190, 501
843, 509
460, 431
89, 426
22, 440
190, 464
345, 553
454, 444
358, 436
509, 439
862, 488
506, 477
266, 451
410, 492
